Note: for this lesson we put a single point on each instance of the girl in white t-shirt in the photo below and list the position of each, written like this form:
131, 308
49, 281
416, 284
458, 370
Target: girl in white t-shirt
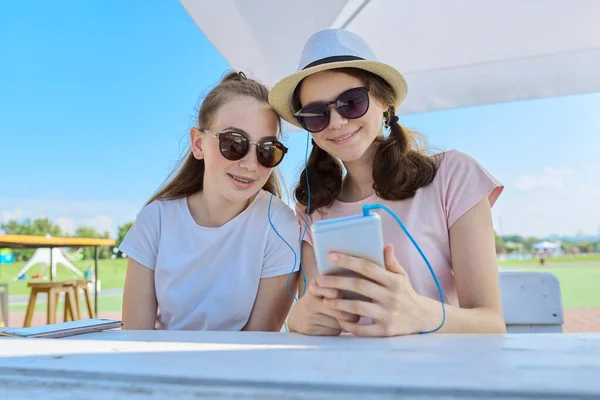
215, 248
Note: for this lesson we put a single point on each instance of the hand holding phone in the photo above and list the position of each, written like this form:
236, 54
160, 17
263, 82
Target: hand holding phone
358, 236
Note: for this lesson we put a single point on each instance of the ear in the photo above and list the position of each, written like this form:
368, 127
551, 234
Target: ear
196, 143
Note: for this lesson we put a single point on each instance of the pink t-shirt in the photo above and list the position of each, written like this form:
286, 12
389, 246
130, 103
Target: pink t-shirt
460, 183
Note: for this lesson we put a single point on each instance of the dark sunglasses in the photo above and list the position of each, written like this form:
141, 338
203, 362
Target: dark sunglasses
235, 145
351, 104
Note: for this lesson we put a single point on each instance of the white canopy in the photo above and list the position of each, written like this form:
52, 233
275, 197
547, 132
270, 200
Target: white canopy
453, 53
42, 256
546, 245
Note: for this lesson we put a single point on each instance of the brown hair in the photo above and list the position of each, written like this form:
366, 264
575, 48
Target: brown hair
399, 166
188, 176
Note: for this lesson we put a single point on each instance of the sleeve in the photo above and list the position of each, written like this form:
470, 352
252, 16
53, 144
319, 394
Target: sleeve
465, 183
305, 222
282, 255
141, 242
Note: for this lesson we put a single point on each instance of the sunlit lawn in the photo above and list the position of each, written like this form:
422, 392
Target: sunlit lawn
579, 279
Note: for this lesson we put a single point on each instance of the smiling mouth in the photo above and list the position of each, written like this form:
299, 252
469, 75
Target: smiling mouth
345, 137
239, 179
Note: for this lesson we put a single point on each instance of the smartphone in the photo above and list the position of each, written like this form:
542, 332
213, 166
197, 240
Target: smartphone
358, 236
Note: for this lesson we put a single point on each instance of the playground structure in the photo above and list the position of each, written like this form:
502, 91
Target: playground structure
51, 258
55, 243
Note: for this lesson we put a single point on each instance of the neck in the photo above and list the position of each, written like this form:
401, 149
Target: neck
211, 210
358, 183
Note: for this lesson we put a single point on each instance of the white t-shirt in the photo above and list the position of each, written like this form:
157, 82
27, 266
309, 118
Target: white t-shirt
207, 278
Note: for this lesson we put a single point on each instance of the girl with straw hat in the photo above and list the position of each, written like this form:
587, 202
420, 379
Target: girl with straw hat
347, 100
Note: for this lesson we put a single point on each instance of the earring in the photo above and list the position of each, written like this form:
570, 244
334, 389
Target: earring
389, 118
386, 119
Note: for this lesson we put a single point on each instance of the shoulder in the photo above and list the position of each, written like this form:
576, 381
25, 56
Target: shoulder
281, 222
456, 165
150, 211
158, 210
463, 182
452, 159
274, 206
143, 240
158, 207
266, 200
315, 215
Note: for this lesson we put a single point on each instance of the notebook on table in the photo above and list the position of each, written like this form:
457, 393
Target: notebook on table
63, 329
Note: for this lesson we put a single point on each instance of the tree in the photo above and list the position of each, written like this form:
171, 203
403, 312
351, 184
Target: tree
567, 248
520, 242
499, 242
530, 241
89, 232
586, 246
37, 227
513, 247
121, 233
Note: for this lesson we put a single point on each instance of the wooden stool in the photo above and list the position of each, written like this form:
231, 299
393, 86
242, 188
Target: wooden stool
53, 290
70, 311
83, 284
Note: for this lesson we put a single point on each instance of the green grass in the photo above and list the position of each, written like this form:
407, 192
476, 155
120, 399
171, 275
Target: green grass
105, 304
585, 258
111, 274
579, 277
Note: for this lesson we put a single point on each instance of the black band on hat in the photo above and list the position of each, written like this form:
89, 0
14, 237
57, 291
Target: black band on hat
332, 59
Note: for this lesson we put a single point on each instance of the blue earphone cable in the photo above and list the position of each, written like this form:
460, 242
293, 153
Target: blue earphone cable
287, 287
366, 208
307, 210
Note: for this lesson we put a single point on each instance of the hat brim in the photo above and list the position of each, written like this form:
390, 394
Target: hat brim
280, 96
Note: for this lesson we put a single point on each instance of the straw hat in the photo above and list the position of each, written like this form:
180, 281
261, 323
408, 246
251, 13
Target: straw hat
329, 49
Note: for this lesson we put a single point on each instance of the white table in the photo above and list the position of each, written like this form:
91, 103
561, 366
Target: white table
223, 365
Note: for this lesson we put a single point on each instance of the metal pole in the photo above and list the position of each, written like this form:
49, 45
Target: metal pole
51, 264
96, 279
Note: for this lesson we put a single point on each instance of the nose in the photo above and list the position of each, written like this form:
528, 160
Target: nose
250, 161
336, 120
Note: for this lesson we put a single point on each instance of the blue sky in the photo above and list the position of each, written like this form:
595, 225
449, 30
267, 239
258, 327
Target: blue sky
96, 99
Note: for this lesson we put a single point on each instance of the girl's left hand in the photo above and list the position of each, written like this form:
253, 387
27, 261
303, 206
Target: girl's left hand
396, 308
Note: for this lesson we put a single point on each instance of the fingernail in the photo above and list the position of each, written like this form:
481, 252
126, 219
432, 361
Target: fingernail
333, 257
320, 280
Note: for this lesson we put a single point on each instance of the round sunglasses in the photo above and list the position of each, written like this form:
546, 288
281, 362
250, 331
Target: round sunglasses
351, 104
235, 145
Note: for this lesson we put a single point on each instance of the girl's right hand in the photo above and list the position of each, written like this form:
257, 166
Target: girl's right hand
310, 317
